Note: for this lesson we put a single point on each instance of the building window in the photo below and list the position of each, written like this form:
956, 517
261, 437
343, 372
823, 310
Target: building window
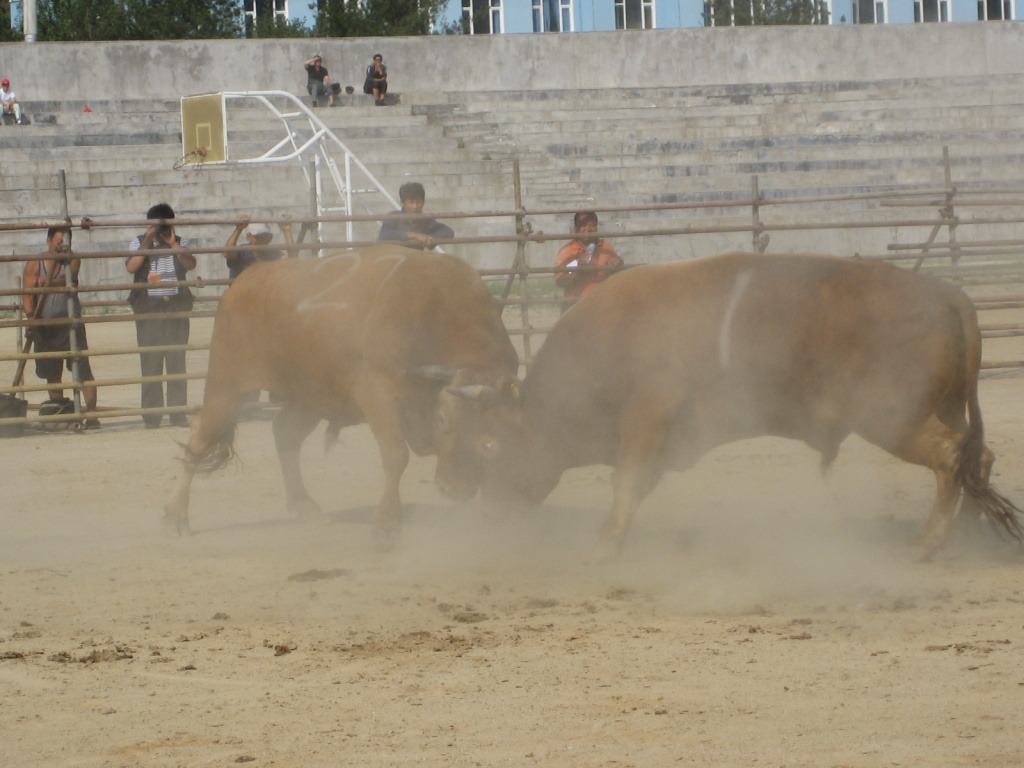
742, 13
996, 10
482, 17
870, 11
264, 9
552, 16
931, 10
634, 14
496, 13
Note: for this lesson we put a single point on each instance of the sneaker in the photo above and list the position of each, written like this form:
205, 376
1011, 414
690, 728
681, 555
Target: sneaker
315, 104
56, 407
152, 423
379, 102
21, 122
91, 424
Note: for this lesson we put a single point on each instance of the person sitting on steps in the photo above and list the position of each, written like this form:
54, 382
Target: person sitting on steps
9, 102
318, 82
377, 80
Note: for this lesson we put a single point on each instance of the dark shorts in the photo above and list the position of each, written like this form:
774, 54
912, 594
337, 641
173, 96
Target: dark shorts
57, 338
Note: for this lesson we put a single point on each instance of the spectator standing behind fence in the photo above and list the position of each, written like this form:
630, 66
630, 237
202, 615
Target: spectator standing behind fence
9, 101
258, 235
421, 233
584, 251
318, 82
376, 80
57, 338
151, 268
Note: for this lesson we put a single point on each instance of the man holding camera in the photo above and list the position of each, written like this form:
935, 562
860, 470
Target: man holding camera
152, 268
57, 263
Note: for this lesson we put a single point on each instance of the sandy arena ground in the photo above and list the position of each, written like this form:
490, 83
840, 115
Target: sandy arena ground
760, 616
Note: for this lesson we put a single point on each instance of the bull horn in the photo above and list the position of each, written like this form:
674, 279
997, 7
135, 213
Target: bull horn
480, 392
443, 373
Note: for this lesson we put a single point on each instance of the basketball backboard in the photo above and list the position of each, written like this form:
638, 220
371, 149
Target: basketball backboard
204, 128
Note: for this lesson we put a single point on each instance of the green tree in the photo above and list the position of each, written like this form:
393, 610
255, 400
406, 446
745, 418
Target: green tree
6, 33
70, 20
268, 26
376, 18
742, 13
341, 18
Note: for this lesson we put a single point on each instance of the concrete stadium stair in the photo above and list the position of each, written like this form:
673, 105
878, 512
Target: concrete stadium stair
663, 145
118, 159
576, 149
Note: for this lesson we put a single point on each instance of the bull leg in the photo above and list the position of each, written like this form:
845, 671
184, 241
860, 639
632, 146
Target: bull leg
208, 448
638, 467
291, 427
935, 446
382, 414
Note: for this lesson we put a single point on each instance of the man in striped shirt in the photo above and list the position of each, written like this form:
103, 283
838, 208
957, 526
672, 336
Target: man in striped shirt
154, 266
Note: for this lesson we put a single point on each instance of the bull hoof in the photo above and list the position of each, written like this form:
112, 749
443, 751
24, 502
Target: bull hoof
307, 511
604, 551
385, 538
923, 553
174, 525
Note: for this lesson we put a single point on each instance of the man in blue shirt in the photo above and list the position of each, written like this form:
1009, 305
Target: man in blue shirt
421, 233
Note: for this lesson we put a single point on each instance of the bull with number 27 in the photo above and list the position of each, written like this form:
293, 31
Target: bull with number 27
662, 363
364, 335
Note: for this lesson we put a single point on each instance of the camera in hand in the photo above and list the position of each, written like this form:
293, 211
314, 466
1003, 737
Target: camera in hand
164, 230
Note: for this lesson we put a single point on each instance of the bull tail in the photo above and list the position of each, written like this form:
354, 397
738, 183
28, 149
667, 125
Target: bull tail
214, 455
972, 474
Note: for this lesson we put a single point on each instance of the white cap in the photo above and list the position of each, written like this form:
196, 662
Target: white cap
259, 229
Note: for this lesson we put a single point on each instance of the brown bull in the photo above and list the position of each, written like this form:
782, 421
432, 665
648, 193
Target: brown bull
663, 363
365, 335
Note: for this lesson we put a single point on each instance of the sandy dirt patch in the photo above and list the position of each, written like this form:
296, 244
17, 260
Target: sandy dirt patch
760, 616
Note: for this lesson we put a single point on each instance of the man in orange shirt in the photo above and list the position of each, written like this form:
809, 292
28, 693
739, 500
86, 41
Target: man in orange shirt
584, 251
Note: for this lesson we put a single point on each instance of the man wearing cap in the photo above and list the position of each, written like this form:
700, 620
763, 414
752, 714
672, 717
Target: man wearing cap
318, 82
9, 101
258, 234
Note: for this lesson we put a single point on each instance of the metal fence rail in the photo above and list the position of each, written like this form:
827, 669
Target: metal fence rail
994, 263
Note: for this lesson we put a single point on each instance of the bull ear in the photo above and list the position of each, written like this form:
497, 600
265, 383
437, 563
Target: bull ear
488, 446
481, 393
440, 373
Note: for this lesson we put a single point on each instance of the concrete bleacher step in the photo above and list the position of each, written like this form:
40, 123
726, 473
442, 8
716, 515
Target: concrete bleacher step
731, 93
615, 146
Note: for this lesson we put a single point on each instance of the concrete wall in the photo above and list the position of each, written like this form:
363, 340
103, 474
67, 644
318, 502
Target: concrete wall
669, 57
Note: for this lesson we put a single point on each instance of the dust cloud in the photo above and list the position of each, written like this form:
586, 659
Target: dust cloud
753, 525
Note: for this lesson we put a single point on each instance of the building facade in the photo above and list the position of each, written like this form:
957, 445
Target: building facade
507, 16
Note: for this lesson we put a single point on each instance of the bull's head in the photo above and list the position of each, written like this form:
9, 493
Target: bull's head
495, 445
468, 408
